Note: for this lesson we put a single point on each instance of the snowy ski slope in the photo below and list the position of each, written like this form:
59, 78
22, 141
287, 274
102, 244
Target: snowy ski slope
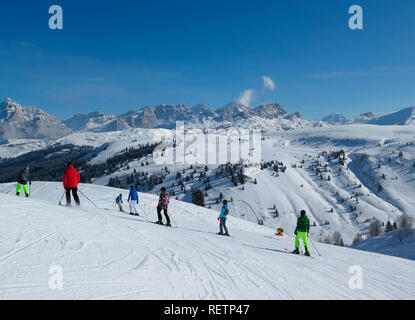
108, 255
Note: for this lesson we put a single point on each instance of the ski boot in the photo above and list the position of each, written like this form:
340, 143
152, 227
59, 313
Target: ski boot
220, 234
307, 253
159, 222
168, 224
296, 251
17, 193
27, 196
137, 214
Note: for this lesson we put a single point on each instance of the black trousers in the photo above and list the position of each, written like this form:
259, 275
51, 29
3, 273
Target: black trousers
75, 196
165, 214
222, 225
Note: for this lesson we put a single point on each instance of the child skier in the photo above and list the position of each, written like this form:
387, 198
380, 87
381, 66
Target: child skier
280, 232
163, 205
302, 230
222, 219
119, 202
133, 201
24, 178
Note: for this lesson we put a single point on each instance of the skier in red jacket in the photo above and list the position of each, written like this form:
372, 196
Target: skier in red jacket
71, 179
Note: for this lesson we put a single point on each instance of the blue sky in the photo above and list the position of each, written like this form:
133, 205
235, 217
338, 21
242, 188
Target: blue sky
121, 55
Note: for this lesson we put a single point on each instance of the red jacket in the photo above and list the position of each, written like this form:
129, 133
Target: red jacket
71, 178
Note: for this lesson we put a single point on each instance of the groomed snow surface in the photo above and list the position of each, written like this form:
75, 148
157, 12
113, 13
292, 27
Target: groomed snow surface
105, 254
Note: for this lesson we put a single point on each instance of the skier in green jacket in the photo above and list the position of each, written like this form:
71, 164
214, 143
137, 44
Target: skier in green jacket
301, 231
24, 178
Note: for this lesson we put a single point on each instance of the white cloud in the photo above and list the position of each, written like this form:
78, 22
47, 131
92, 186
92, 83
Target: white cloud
25, 44
246, 97
268, 83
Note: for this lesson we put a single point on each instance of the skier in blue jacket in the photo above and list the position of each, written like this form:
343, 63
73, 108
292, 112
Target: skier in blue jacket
133, 201
222, 219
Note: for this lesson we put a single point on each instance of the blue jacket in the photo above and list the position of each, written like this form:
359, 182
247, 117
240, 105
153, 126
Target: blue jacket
133, 196
118, 199
223, 211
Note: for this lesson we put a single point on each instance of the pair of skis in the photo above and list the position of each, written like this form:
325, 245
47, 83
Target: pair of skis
297, 254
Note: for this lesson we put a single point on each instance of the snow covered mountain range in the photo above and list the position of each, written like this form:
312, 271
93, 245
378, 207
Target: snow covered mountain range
18, 122
200, 116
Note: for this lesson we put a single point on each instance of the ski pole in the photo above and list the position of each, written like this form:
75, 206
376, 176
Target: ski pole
315, 247
171, 219
60, 201
88, 199
142, 209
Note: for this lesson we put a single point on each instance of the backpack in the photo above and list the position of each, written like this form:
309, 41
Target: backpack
226, 211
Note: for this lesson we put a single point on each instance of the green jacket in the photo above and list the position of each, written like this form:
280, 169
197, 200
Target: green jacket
303, 224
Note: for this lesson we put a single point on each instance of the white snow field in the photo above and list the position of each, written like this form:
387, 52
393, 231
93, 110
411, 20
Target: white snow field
105, 254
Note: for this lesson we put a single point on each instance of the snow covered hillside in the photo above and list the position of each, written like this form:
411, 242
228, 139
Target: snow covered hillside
399, 243
108, 255
376, 181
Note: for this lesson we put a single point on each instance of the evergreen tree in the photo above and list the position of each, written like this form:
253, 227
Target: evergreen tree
388, 227
198, 197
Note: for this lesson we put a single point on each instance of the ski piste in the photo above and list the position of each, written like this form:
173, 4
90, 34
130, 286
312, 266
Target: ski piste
114, 248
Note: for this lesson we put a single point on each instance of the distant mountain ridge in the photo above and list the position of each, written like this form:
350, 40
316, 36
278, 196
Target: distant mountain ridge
402, 117
165, 116
18, 122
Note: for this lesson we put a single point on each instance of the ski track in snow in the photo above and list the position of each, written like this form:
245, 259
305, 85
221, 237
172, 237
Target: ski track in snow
106, 254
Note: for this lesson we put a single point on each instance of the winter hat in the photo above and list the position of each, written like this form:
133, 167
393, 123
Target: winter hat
303, 213
225, 201
163, 189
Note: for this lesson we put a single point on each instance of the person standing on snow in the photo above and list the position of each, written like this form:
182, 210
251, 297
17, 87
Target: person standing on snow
71, 180
119, 202
24, 178
133, 201
222, 219
301, 231
163, 205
